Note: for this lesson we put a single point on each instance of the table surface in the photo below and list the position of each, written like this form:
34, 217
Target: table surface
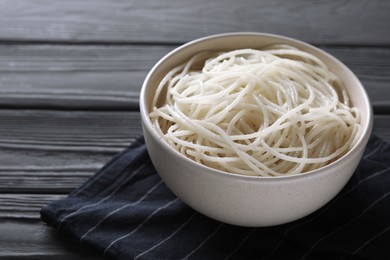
71, 72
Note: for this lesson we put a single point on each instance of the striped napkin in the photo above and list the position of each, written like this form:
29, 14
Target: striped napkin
125, 211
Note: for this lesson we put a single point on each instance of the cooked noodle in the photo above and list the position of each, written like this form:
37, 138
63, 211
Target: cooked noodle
271, 112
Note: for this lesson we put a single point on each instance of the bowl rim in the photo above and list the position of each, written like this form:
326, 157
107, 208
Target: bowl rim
147, 123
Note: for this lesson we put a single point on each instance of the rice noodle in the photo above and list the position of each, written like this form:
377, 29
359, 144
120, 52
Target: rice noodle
269, 112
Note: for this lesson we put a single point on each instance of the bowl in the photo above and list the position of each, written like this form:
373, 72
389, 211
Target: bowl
247, 200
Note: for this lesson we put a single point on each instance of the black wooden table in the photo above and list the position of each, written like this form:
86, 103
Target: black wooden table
71, 71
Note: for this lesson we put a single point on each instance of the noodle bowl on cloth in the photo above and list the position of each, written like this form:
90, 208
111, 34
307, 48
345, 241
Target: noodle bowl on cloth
271, 112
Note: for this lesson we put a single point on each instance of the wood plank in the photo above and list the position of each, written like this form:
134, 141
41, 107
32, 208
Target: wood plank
57, 150
41, 181
113, 90
75, 76
24, 206
35, 240
68, 130
78, 57
110, 77
172, 21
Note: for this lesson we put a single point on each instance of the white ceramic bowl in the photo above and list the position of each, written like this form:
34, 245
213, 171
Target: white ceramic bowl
246, 200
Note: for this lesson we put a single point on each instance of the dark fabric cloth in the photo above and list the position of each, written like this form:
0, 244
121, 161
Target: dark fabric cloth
126, 212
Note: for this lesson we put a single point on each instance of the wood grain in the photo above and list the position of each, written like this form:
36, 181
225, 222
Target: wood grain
24, 206
171, 21
75, 76
113, 90
55, 151
68, 130
77, 57
34, 240
98, 77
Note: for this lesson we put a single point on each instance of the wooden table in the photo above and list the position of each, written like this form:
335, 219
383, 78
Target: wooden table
71, 71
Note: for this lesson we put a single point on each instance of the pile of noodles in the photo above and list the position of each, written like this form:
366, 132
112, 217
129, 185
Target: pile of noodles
271, 112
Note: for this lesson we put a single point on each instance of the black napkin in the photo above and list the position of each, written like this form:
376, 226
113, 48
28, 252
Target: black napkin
125, 211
